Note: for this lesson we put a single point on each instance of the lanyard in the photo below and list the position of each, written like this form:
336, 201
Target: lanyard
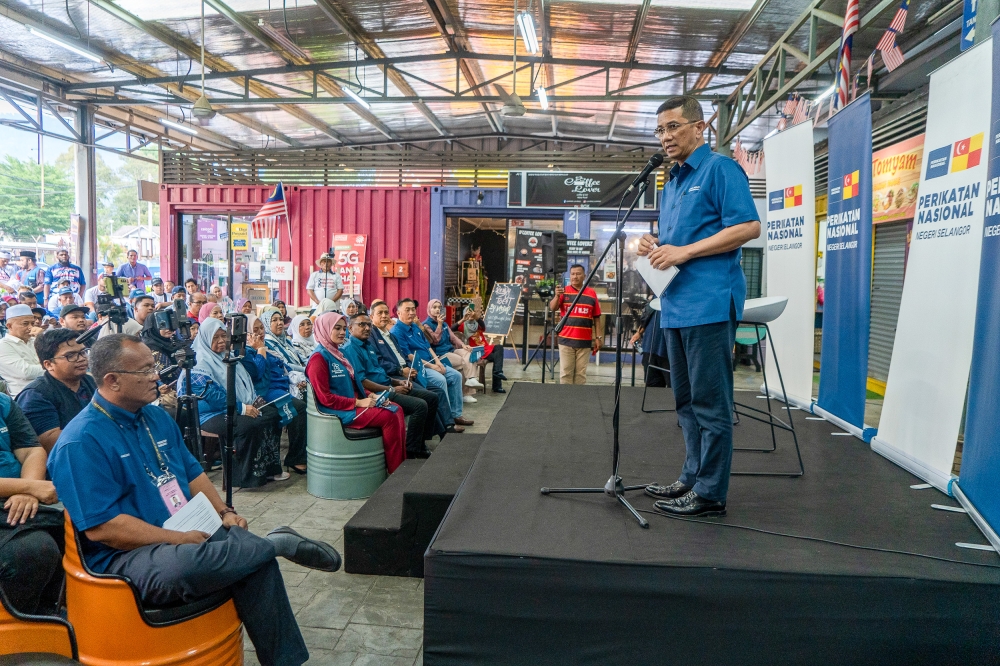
158, 480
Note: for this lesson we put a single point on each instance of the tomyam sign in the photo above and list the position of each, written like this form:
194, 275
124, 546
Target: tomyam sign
348, 252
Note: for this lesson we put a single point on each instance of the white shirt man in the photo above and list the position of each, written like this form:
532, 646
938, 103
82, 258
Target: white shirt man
18, 361
326, 282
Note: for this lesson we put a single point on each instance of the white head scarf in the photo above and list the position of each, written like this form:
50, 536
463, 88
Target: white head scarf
297, 337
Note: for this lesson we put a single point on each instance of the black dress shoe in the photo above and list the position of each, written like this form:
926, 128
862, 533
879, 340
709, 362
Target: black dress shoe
691, 505
499, 389
501, 376
311, 553
675, 489
455, 429
411, 455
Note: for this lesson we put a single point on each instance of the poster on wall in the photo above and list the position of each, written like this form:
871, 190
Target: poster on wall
239, 237
790, 233
528, 259
977, 488
848, 266
929, 371
349, 259
896, 180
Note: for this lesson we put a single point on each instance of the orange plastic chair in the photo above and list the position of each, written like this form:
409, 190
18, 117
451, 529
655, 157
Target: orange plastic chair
23, 633
114, 628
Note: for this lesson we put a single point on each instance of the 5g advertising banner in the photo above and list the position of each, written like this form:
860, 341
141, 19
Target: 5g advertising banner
929, 372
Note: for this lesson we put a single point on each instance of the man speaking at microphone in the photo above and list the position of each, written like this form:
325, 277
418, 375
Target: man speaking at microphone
706, 215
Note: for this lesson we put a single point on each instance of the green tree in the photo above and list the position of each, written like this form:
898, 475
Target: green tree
22, 215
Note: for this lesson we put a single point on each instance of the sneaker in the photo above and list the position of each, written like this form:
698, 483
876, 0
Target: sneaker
284, 476
472, 382
469, 400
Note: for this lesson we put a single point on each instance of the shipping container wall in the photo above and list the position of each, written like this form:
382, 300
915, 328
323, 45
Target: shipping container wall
396, 221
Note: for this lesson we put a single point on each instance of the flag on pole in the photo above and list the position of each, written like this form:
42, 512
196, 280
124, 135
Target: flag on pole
801, 112
265, 223
871, 60
892, 56
852, 22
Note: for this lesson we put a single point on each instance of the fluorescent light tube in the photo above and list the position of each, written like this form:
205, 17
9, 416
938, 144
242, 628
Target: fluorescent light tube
353, 95
829, 91
178, 126
526, 25
543, 99
69, 47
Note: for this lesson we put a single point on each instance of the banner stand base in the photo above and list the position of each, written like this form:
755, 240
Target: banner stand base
942, 482
865, 434
977, 517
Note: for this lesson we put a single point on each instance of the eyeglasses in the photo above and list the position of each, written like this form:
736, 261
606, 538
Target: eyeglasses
148, 372
363, 324
671, 129
74, 356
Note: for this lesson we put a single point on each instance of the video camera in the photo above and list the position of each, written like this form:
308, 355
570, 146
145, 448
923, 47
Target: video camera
236, 325
175, 319
110, 303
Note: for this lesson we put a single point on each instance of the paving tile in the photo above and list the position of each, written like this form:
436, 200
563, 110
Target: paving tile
299, 597
332, 607
293, 578
420, 658
381, 660
250, 658
392, 605
387, 641
330, 658
321, 639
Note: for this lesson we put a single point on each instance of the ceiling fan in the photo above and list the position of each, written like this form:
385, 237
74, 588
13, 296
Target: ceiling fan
514, 107
202, 109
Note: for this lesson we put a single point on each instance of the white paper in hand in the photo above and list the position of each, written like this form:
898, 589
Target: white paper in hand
656, 278
198, 514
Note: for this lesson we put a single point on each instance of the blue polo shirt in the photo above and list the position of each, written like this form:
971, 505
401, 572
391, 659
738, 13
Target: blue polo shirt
365, 361
99, 469
57, 273
411, 339
705, 195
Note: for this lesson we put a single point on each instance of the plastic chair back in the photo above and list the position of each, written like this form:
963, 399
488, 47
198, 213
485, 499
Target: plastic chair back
339, 467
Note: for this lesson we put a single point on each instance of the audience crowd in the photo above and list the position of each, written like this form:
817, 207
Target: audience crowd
77, 405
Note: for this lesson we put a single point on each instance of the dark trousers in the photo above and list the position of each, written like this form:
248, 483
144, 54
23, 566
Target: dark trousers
31, 572
654, 377
496, 357
444, 415
433, 425
296, 455
701, 371
417, 410
232, 559
256, 443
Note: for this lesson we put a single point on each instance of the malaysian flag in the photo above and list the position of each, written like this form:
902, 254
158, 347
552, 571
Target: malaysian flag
851, 24
892, 56
265, 223
801, 112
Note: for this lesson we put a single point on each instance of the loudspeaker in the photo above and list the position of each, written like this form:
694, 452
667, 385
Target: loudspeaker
554, 258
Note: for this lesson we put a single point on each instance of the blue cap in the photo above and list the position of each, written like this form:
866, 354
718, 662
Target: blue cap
136, 292
177, 290
65, 290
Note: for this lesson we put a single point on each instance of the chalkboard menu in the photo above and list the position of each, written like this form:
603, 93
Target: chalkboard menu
528, 258
500, 311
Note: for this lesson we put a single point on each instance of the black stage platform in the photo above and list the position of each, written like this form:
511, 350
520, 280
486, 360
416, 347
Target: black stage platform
514, 577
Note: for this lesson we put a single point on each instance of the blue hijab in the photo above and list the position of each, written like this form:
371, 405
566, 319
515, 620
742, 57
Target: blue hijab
208, 362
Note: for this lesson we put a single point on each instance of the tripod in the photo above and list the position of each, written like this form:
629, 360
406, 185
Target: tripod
548, 329
188, 417
614, 487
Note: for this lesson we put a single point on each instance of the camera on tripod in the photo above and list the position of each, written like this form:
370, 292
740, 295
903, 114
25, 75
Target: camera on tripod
110, 303
236, 325
176, 321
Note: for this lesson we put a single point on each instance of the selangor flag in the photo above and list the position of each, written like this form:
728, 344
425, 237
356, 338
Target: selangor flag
966, 153
851, 185
793, 196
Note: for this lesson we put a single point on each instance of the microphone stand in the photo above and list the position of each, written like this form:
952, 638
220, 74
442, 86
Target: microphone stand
614, 487
229, 450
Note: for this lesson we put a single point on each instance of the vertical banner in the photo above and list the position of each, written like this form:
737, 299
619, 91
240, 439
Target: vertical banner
349, 260
977, 488
843, 373
791, 258
929, 371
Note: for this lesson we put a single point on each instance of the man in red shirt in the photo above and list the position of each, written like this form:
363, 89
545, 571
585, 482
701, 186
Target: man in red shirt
577, 340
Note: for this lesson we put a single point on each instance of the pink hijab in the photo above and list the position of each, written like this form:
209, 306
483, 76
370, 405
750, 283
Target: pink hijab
322, 330
206, 311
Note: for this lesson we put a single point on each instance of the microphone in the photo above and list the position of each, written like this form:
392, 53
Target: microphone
654, 162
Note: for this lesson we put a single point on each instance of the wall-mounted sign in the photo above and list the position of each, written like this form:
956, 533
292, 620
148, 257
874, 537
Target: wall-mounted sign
282, 270
528, 258
239, 236
349, 259
579, 246
895, 179
561, 189
207, 229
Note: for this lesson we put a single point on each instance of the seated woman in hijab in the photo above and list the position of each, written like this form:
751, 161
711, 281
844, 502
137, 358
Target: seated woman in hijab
257, 458
447, 345
326, 305
473, 330
244, 306
280, 345
270, 382
339, 392
210, 309
283, 309
302, 335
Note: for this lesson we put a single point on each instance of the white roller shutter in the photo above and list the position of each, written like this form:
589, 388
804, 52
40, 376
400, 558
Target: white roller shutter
887, 290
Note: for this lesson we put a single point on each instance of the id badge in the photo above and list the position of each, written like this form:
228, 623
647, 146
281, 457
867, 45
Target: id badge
171, 493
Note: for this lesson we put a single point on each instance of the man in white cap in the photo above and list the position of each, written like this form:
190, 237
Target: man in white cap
18, 361
326, 282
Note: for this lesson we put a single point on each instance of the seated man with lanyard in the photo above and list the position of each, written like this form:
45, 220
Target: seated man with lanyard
54, 399
414, 346
121, 469
30, 538
395, 365
417, 403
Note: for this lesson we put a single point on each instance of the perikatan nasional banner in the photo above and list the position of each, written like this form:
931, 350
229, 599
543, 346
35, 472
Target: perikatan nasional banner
929, 371
977, 488
843, 372
791, 258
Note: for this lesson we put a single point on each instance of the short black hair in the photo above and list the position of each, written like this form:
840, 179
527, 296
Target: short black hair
47, 344
22, 296
353, 318
401, 302
139, 298
191, 280
107, 352
580, 266
689, 106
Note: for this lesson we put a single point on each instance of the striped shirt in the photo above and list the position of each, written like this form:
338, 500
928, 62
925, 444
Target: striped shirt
579, 329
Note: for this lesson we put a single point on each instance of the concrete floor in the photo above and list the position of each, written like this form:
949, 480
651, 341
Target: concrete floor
357, 620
